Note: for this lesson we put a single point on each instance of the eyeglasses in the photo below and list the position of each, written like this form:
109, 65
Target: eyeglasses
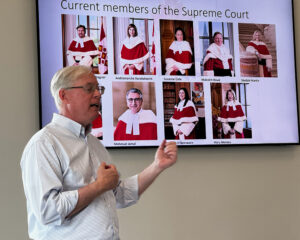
134, 100
90, 88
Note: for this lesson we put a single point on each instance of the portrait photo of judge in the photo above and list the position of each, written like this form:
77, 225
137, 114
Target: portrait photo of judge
216, 49
184, 112
134, 46
177, 47
84, 42
231, 108
257, 46
134, 111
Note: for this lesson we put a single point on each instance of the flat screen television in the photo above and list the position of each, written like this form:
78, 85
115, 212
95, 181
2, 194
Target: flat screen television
197, 72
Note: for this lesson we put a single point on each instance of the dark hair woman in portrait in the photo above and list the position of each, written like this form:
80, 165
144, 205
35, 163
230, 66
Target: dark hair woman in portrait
184, 118
179, 56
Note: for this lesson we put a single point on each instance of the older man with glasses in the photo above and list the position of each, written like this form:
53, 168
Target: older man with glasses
71, 186
136, 123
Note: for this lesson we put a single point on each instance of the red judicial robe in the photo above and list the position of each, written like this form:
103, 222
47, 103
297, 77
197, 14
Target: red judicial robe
218, 61
232, 117
147, 126
180, 56
97, 126
134, 52
266, 62
184, 119
82, 51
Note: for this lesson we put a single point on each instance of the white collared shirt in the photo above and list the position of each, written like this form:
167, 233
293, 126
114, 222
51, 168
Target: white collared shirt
57, 161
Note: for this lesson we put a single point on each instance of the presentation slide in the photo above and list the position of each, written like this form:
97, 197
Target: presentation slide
195, 72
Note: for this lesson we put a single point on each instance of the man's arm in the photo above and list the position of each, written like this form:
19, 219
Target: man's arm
166, 156
107, 179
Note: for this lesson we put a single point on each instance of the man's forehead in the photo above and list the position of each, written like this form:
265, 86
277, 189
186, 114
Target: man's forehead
131, 94
85, 79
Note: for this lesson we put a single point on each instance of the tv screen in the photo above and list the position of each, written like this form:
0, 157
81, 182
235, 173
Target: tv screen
196, 72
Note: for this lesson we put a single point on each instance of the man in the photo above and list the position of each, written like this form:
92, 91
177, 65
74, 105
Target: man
136, 123
82, 49
71, 187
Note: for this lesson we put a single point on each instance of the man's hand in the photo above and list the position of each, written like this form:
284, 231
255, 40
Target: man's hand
166, 155
107, 177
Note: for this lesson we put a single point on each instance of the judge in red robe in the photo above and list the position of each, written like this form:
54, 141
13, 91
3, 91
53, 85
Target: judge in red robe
264, 58
184, 118
232, 117
218, 60
133, 53
97, 126
82, 49
179, 56
136, 123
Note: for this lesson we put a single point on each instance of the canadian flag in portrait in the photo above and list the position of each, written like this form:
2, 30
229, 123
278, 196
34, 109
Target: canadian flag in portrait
102, 64
152, 58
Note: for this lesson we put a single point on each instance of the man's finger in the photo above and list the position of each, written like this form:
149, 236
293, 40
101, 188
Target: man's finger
162, 145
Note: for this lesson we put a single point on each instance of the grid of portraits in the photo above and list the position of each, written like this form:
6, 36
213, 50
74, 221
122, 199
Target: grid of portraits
174, 79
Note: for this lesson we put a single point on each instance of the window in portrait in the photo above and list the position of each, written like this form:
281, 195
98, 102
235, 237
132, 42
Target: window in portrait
184, 113
85, 42
134, 112
231, 109
177, 47
257, 46
216, 48
134, 46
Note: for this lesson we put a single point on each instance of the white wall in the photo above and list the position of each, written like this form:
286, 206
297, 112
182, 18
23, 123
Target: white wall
232, 193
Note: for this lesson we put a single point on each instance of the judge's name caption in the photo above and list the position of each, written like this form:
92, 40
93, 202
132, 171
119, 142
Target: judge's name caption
135, 78
250, 80
211, 79
185, 142
222, 142
125, 143
172, 78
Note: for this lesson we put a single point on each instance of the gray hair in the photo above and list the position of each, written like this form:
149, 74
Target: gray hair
134, 90
66, 77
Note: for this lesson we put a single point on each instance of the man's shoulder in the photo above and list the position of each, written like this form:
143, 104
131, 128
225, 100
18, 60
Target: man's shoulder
147, 116
41, 136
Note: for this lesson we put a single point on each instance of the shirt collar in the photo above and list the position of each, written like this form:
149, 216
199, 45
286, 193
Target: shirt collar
71, 125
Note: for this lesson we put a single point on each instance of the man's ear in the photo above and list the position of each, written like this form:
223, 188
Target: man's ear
62, 95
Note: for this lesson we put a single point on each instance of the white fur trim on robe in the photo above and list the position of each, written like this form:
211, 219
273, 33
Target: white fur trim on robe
253, 50
131, 43
98, 132
186, 128
133, 120
220, 52
178, 46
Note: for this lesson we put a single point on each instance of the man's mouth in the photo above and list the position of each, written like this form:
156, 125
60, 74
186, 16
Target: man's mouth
94, 105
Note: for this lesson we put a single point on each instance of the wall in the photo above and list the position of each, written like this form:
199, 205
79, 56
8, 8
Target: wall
240, 193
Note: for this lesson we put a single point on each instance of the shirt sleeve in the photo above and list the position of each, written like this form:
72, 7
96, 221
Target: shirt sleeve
127, 192
42, 178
